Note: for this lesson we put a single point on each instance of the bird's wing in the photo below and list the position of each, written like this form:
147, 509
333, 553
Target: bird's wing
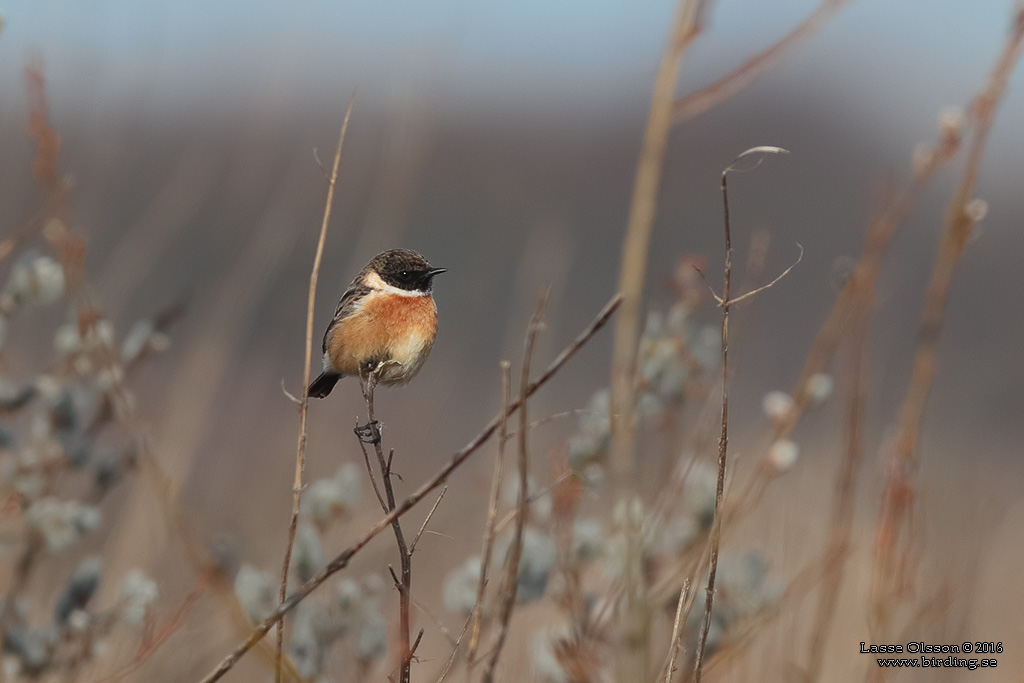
349, 304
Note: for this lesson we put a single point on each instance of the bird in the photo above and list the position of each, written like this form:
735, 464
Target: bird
385, 323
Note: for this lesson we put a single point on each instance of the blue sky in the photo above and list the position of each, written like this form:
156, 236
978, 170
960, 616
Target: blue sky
590, 52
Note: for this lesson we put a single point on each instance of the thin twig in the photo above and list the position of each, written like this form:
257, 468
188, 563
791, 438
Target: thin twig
677, 629
855, 295
723, 440
426, 520
513, 514
492, 514
781, 275
403, 584
695, 104
341, 560
153, 643
373, 477
511, 585
842, 512
455, 651
300, 455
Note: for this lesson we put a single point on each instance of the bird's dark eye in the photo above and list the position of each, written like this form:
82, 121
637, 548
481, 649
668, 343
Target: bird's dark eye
404, 275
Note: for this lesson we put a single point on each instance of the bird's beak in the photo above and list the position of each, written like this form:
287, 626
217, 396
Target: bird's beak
436, 271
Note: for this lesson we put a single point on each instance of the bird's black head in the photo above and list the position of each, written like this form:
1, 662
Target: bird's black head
405, 269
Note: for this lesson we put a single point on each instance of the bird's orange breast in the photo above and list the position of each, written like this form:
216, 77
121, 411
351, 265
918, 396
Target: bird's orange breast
386, 327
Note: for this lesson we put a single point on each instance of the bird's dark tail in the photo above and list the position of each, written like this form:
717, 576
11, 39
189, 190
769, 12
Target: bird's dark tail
323, 384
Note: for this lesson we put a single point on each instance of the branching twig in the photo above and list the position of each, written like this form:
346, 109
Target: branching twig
723, 440
403, 584
300, 455
341, 560
426, 520
695, 104
511, 585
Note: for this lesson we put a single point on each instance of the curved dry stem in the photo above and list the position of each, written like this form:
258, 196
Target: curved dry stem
300, 455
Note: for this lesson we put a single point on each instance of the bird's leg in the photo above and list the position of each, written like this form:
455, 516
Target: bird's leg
369, 376
369, 373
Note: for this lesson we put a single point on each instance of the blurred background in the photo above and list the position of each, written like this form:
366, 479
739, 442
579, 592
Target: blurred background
500, 140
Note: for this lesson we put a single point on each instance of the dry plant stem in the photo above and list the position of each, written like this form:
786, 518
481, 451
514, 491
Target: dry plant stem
897, 500
850, 303
643, 208
153, 641
341, 560
842, 513
492, 516
455, 651
117, 402
300, 454
426, 520
695, 104
511, 584
677, 631
959, 227
723, 441
403, 584
859, 288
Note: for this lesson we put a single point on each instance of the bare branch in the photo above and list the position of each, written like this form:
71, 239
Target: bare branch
341, 560
748, 72
426, 520
781, 275
723, 440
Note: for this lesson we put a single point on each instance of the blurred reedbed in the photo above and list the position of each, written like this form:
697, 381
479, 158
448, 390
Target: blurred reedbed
639, 544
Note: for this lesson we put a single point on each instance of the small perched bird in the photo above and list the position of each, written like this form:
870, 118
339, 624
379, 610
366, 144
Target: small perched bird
386, 315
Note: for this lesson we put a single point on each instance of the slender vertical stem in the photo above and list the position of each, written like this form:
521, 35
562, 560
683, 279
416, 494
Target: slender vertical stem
404, 582
511, 585
842, 512
636, 243
492, 516
723, 440
300, 455
677, 630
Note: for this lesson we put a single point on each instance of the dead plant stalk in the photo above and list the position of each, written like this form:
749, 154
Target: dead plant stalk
725, 301
371, 433
960, 222
300, 455
511, 584
341, 560
636, 243
492, 518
